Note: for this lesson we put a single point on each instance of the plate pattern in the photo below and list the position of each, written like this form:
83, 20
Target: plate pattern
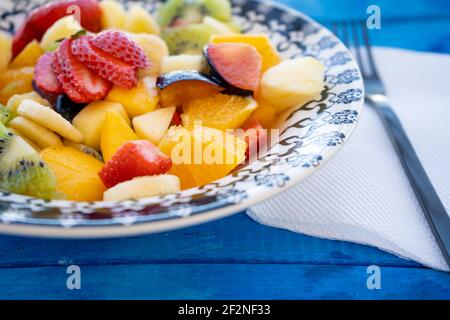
309, 137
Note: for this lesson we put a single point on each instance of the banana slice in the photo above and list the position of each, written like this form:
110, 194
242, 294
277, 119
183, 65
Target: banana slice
35, 132
182, 62
26, 139
50, 119
143, 187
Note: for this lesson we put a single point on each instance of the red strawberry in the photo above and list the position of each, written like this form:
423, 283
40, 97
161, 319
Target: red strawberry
68, 89
44, 76
44, 16
81, 78
121, 47
134, 159
103, 64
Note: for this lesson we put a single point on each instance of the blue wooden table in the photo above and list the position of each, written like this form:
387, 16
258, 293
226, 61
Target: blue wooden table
236, 257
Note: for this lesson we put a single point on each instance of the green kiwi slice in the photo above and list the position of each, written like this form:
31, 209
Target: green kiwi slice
5, 115
193, 11
219, 9
22, 170
188, 40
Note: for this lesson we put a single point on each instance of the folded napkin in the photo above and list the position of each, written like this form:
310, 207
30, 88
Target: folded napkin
363, 195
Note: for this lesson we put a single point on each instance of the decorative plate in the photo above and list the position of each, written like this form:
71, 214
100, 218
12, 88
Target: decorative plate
310, 136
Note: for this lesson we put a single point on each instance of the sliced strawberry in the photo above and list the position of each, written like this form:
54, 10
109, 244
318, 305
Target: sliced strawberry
121, 47
43, 17
81, 78
44, 75
103, 64
68, 89
134, 159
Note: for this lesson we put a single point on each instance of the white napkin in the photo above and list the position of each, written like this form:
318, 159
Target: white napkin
363, 195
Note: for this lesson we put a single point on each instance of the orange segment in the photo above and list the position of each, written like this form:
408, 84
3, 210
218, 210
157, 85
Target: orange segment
202, 155
262, 44
76, 173
180, 93
115, 132
265, 114
220, 111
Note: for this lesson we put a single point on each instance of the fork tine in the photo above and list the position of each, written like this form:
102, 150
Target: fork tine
371, 60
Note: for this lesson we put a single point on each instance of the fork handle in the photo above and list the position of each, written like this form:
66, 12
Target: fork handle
432, 206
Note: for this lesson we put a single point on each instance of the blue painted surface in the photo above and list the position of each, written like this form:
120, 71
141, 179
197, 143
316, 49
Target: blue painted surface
236, 257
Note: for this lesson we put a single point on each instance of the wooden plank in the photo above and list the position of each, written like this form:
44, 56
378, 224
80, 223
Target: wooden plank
236, 239
223, 281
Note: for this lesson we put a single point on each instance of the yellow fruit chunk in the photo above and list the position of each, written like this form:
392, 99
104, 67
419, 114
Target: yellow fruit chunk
90, 120
15, 100
13, 88
220, 111
261, 43
35, 132
292, 83
264, 114
115, 132
26, 139
6, 50
28, 57
153, 125
155, 49
26, 74
138, 100
202, 155
63, 28
140, 21
113, 15
76, 173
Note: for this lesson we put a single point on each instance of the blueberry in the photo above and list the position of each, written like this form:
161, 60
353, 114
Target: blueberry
67, 108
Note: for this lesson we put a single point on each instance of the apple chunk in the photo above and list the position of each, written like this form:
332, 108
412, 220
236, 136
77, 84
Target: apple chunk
153, 125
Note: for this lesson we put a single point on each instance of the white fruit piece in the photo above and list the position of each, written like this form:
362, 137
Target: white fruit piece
220, 27
30, 142
90, 120
113, 15
154, 125
140, 21
35, 132
143, 187
292, 83
6, 50
63, 28
50, 119
182, 62
16, 99
155, 49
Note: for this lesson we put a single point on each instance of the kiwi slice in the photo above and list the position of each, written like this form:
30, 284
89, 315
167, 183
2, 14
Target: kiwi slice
5, 115
219, 9
190, 11
193, 11
188, 40
22, 170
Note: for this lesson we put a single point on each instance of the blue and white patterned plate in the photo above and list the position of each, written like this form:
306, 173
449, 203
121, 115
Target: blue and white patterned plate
311, 135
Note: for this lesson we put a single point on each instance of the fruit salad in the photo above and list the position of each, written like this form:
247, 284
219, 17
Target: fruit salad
107, 103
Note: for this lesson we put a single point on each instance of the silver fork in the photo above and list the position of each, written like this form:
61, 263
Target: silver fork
355, 36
